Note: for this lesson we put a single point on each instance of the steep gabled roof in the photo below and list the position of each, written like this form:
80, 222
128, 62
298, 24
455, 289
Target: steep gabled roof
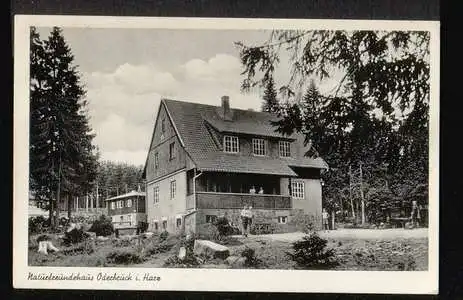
190, 120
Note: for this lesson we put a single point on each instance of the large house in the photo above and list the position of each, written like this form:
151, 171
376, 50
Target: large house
207, 161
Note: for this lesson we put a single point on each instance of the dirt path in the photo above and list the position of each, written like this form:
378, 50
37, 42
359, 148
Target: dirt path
348, 234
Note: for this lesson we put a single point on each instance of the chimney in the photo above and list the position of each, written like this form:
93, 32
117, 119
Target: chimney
225, 109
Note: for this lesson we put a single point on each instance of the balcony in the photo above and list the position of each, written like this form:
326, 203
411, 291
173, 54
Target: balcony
213, 200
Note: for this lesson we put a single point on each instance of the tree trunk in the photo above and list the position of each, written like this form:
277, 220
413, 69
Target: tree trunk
50, 213
333, 215
56, 213
69, 201
350, 193
361, 195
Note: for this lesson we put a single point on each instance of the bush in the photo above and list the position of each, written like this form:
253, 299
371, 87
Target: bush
103, 226
163, 236
190, 261
310, 253
251, 258
124, 256
85, 247
223, 227
37, 224
74, 236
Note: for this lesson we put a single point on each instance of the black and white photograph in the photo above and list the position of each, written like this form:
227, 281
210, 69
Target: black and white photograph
230, 147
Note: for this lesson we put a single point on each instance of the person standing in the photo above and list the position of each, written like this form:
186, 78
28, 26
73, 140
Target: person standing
244, 221
325, 217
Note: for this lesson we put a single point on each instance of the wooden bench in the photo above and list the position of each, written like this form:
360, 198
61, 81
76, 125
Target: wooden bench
399, 221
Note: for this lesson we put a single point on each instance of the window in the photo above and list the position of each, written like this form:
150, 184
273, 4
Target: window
113, 205
283, 219
156, 225
130, 219
231, 144
297, 189
172, 150
156, 194
122, 220
258, 147
121, 203
285, 149
173, 189
129, 203
156, 160
164, 224
179, 222
163, 125
211, 218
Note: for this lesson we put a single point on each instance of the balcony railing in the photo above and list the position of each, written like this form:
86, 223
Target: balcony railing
214, 200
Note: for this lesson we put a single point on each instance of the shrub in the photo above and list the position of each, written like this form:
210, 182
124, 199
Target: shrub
251, 258
144, 226
103, 226
190, 261
74, 236
124, 256
223, 227
85, 247
163, 236
37, 224
310, 253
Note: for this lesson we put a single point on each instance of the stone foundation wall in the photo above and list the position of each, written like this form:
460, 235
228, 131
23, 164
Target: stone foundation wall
296, 219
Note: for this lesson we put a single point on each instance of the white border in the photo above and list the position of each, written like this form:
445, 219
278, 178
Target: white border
213, 279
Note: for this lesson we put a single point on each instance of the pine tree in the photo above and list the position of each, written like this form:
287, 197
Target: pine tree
270, 103
61, 143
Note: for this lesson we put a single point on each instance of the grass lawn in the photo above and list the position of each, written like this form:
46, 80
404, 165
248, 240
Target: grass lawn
402, 253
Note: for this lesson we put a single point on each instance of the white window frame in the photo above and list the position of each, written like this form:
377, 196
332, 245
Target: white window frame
211, 218
113, 205
259, 147
156, 194
173, 189
284, 148
176, 222
298, 189
129, 203
231, 144
172, 149
282, 219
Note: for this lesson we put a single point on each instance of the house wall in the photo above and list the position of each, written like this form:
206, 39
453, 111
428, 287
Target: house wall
160, 144
125, 209
128, 220
166, 208
312, 202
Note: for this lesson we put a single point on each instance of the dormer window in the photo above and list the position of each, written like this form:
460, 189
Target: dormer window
259, 147
285, 149
230, 144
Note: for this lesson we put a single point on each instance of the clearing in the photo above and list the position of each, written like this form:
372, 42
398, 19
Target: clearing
355, 249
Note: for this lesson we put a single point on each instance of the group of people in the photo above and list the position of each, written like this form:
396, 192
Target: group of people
253, 190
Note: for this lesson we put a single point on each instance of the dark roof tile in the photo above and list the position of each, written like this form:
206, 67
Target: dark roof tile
190, 120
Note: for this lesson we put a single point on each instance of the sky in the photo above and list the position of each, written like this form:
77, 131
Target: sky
127, 71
